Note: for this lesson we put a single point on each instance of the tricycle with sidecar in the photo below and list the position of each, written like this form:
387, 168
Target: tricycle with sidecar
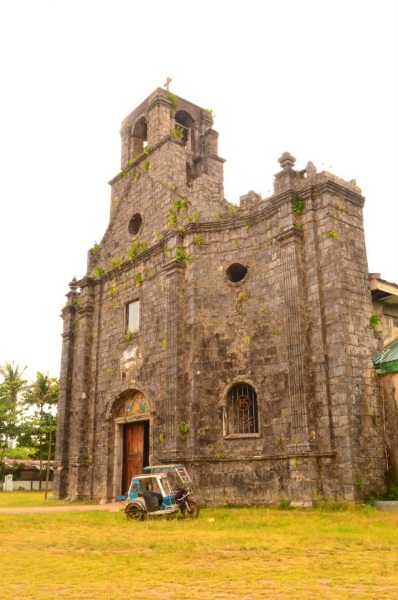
160, 491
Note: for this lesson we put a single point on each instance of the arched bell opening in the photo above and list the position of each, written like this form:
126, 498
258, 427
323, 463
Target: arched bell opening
139, 137
185, 121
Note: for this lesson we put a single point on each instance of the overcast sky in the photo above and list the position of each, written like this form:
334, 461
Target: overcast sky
316, 78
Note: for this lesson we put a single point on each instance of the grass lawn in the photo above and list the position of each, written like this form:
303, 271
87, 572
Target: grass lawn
228, 553
21, 499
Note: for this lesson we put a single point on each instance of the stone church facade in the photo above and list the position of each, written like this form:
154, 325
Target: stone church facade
235, 340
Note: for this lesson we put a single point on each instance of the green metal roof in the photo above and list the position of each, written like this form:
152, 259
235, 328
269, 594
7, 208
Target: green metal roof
387, 361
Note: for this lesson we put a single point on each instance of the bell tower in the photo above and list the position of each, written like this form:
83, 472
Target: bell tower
185, 129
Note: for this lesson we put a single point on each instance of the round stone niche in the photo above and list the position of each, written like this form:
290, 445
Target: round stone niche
135, 224
236, 273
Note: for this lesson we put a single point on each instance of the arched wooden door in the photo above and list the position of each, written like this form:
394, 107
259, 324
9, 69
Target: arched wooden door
135, 450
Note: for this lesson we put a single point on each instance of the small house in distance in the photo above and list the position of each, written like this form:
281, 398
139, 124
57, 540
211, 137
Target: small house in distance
26, 474
385, 316
238, 340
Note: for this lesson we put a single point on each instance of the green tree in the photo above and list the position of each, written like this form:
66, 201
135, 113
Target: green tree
42, 395
10, 388
34, 434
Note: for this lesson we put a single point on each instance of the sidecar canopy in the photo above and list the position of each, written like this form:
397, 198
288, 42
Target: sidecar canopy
177, 474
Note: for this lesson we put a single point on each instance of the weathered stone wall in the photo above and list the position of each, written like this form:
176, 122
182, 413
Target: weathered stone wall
295, 328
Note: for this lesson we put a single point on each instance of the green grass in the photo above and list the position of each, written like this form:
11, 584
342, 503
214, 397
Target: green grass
226, 554
25, 499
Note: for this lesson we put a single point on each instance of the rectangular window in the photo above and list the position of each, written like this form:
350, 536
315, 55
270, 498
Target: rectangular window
133, 316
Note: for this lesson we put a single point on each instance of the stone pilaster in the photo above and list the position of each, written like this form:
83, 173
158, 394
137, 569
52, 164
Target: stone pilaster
61, 477
80, 448
296, 337
174, 288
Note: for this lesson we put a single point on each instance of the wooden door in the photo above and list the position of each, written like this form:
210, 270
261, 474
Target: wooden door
133, 452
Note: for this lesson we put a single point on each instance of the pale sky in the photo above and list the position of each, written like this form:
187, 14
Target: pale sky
317, 78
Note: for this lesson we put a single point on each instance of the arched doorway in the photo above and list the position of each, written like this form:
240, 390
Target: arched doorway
132, 438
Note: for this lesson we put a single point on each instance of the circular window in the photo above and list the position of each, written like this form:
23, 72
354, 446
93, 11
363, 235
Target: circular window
135, 224
236, 272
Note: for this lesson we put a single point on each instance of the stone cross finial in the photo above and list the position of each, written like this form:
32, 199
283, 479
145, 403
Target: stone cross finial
286, 160
168, 81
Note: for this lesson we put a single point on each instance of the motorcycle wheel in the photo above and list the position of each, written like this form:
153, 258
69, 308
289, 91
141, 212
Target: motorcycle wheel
135, 513
190, 509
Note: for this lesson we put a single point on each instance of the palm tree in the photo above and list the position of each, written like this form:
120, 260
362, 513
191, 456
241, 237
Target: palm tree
10, 388
41, 394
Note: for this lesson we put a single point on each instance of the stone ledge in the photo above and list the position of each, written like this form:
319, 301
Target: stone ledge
387, 505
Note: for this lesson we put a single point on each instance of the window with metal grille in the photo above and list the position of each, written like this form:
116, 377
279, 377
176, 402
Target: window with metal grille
242, 417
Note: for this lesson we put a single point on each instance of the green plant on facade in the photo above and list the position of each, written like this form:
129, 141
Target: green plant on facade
248, 224
145, 166
331, 234
76, 302
194, 218
177, 133
180, 204
209, 112
128, 336
359, 483
163, 342
184, 430
374, 321
242, 297
298, 205
174, 101
172, 217
95, 248
298, 225
98, 273
147, 150
138, 279
284, 504
340, 206
182, 256
232, 210
113, 290
162, 438
115, 263
137, 247
198, 240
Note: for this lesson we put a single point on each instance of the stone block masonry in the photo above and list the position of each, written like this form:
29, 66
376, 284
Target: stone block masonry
250, 359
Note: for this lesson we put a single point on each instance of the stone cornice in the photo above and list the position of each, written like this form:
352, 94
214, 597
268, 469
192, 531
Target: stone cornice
335, 188
262, 458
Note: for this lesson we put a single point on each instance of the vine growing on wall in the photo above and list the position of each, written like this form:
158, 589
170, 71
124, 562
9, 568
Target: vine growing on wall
298, 205
174, 101
182, 256
374, 321
184, 430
